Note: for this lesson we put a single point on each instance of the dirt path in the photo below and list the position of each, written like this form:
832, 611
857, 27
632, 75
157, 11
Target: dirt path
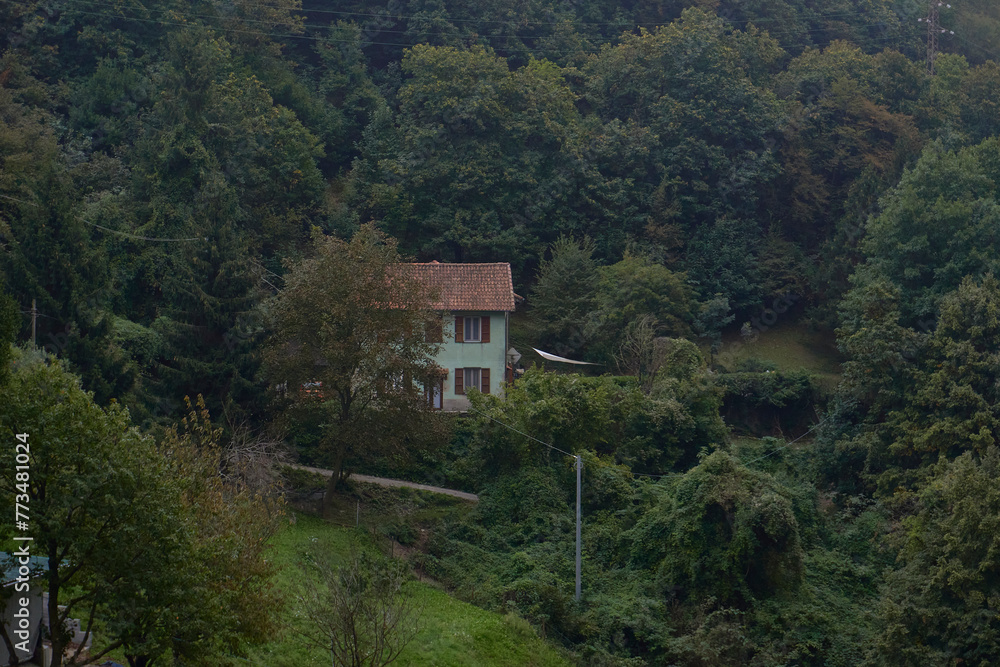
383, 481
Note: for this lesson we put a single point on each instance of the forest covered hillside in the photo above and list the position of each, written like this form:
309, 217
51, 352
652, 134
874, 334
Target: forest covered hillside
667, 180
162, 160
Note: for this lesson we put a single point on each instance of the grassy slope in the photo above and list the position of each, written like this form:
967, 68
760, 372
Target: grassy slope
452, 632
790, 346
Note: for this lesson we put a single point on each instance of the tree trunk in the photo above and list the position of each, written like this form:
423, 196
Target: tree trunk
56, 633
331, 486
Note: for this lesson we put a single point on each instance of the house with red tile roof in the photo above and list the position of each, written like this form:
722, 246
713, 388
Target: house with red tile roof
475, 302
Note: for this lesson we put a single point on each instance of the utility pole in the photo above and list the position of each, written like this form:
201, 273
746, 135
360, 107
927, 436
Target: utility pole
579, 551
934, 29
579, 486
34, 319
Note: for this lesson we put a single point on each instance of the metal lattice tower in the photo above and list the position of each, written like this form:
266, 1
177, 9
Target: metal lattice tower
934, 30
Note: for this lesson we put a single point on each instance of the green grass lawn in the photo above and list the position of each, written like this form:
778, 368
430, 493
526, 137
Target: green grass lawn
458, 634
789, 346
451, 632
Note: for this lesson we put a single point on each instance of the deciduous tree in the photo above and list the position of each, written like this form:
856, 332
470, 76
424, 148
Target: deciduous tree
352, 320
359, 611
722, 530
214, 598
102, 509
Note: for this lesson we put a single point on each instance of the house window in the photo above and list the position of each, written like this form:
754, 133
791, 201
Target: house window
433, 393
465, 378
472, 376
472, 330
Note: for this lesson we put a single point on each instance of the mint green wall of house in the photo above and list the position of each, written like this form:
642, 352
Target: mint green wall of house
490, 355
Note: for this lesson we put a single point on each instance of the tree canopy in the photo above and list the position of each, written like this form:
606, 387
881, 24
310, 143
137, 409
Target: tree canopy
207, 199
352, 325
127, 529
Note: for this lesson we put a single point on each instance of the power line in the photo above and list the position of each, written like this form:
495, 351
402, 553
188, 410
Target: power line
561, 451
138, 237
19, 201
625, 25
39, 314
308, 26
197, 26
789, 444
747, 463
549, 22
643, 474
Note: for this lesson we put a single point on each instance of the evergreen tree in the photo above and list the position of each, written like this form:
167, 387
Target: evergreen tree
564, 296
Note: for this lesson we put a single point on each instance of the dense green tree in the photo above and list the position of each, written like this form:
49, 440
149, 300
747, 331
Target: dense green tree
713, 316
255, 28
940, 606
937, 110
935, 228
945, 400
785, 268
234, 176
880, 348
834, 133
722, 530
722, 258
976, 25
686, 83
914, 322
93, 480
106, 105
980, 92
872, 24
493, 163
879, 372
564, 296
347, 90
351, 319
50, 254
634, 288
713, 129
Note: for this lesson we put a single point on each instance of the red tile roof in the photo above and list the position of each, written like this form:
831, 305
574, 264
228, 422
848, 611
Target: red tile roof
467, 286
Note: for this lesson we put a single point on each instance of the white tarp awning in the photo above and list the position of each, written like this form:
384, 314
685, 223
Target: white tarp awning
552, 357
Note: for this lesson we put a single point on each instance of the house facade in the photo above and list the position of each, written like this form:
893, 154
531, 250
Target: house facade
475, 302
